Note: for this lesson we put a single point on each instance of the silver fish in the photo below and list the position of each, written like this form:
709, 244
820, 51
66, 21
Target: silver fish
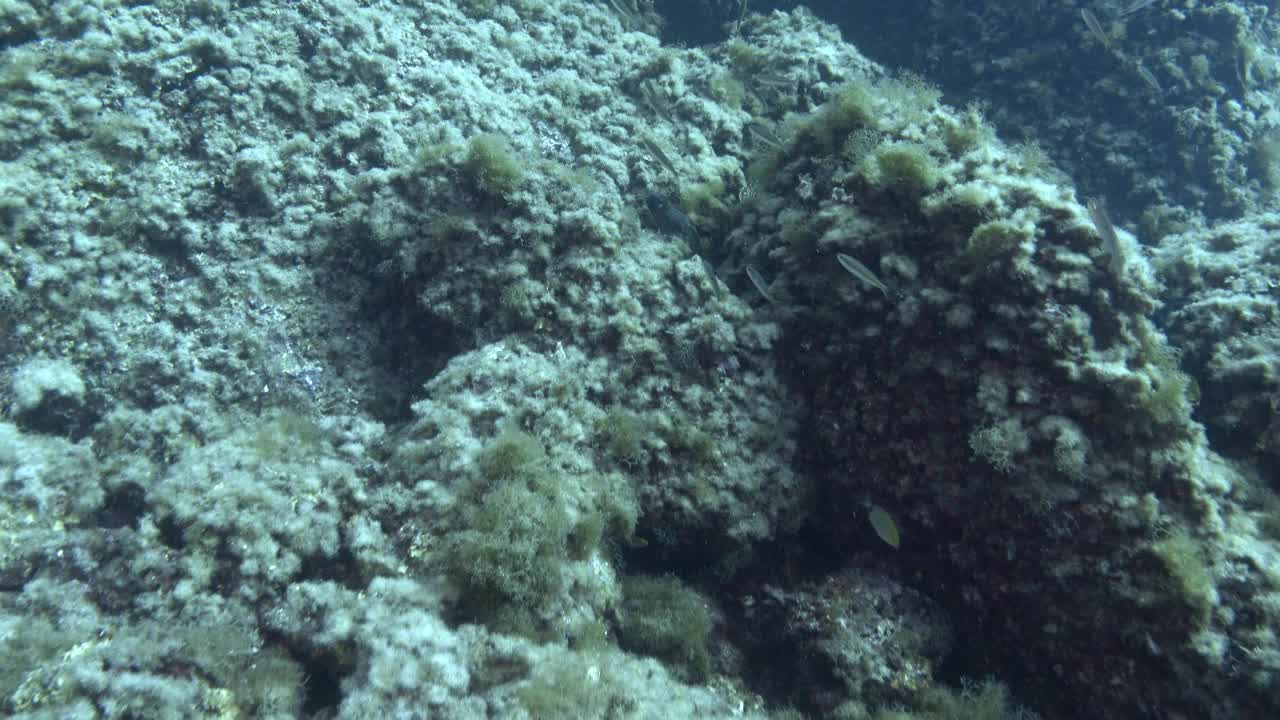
862, 272
1110, 240
1095, 27
761, 286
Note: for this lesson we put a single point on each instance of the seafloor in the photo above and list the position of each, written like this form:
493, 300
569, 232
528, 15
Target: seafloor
562, 359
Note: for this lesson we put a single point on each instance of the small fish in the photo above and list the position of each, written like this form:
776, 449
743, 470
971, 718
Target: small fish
1135, 6
669, 218
659, 154
774, 80
762, 287
1095, 27
1110, 240
1150, 79
763, 135
711, 273
882, 522
862, 272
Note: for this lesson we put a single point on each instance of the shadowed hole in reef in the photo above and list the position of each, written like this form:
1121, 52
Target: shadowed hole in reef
398, 344
323, 687
124, 507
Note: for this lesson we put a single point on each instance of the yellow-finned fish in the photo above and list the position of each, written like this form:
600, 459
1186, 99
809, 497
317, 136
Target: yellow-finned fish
882, 522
